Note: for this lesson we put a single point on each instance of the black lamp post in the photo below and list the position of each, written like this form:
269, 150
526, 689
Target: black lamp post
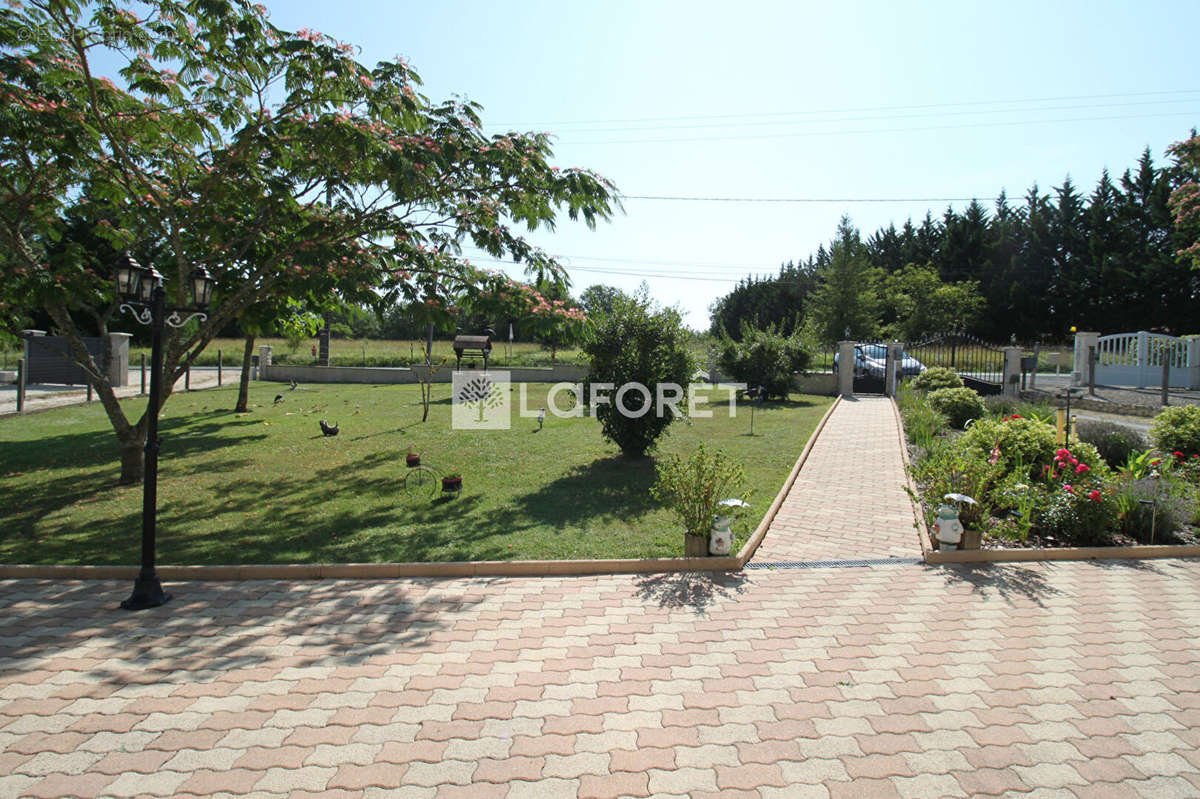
140, 290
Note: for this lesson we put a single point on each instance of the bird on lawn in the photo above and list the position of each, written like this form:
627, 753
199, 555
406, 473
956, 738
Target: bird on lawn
278, 398
327, 429
294, 384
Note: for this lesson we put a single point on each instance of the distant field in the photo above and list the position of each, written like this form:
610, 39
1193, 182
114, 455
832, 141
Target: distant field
374, 352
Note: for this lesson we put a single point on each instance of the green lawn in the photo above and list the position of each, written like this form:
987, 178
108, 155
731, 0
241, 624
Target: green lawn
266, 487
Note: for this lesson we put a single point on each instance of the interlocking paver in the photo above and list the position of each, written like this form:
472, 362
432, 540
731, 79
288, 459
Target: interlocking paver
1058, 679
857, 460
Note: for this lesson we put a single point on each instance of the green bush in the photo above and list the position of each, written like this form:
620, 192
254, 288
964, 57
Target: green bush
937, 377
958, 404
1115, 442
1177, 429
1024, 443
765, 358
693, 487
637, 344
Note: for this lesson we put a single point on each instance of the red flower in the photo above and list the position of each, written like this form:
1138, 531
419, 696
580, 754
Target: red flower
1082, 468
1178, 454
1094, 496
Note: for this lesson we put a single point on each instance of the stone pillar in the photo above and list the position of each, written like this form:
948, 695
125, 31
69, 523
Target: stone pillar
118, 365
845, 376
323, 344
1081, 371
264, 361
892, 370
1011, 380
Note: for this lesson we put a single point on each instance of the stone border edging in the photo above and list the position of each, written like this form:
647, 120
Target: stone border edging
485, 568
935, 556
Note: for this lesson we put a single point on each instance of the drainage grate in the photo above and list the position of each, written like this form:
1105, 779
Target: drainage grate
836, 564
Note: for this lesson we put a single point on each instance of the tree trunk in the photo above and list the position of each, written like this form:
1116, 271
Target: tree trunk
133, 461
244, 384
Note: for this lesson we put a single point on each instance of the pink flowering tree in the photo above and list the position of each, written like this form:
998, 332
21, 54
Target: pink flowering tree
1185, 200
554, 322
201, 134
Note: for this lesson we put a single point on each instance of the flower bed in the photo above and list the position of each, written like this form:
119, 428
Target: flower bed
1032, 492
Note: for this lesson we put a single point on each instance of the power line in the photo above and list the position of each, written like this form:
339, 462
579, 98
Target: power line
925, 128
679, 198
853, 109
815, 117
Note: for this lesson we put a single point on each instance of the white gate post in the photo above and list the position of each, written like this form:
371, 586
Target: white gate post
892, 368
1081, 370
1011, 381
845, 368
1193, 363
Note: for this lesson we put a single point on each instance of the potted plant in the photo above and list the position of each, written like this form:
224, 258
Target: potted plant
452, 483
695, 489
412, 458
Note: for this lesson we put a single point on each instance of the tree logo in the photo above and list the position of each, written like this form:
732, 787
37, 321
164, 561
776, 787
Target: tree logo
480, 401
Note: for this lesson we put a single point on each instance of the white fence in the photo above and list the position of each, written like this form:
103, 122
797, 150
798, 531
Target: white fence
1137, 359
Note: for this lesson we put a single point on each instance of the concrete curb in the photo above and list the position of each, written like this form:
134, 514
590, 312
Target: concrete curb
384, 571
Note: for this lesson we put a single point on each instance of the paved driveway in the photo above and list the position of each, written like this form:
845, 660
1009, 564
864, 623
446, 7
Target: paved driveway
1075, 679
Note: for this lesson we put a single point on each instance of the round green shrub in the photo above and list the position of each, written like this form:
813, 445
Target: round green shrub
1114, 442
957, 404
764, 359
1177, 429
1024, 443
937, 377
637, 343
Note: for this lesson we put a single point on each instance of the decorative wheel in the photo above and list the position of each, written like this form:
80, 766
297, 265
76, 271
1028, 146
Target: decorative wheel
424, 480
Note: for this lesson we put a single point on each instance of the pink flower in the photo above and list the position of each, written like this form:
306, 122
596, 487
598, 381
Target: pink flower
1082, 468
1070, 489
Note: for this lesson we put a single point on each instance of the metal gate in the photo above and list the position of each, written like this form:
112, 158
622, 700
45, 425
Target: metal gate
870, 367
979, 364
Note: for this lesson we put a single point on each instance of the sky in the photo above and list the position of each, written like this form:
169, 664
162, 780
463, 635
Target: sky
922, 104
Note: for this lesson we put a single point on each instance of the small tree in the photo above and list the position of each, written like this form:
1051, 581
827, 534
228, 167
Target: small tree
637, 344
693, 488
764, 358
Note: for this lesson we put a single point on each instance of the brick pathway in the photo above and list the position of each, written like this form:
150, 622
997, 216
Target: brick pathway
1067, 680
848, 501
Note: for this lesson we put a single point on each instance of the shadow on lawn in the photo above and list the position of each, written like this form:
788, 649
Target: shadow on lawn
604, 488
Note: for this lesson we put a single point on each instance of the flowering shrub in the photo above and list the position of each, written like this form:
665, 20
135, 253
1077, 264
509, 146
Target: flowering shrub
1177, 429
1080, 509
